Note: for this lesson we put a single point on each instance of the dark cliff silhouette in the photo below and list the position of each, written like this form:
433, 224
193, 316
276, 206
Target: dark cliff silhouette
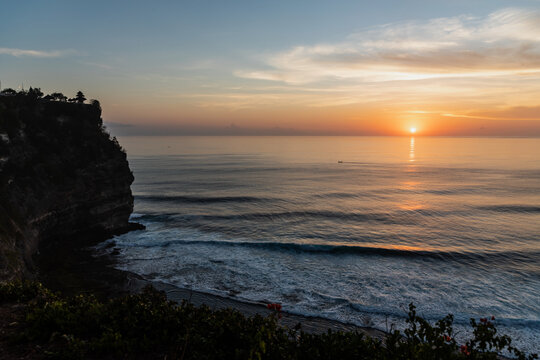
62, 177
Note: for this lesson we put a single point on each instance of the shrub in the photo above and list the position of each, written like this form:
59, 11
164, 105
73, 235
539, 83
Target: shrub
147, 325
22, 291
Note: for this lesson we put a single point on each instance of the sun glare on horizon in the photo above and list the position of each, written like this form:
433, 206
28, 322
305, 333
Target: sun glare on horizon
412, 130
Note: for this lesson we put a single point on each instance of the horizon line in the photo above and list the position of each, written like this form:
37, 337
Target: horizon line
332, 135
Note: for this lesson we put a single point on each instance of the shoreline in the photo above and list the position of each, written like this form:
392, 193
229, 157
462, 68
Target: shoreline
73, 270
310, 324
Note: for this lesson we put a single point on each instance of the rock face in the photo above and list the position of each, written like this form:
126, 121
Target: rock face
62, 178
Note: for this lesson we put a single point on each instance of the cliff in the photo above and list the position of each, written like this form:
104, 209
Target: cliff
62, 178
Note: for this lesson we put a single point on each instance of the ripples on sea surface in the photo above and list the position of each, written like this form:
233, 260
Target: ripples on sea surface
349, 228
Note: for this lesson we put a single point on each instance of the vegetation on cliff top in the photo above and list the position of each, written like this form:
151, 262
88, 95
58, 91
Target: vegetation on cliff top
29, 114
147, 325
36, 93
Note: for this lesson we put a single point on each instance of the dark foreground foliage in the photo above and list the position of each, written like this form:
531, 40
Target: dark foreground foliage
147, 325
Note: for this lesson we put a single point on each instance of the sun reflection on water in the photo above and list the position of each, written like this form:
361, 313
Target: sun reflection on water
411, 150
411, 184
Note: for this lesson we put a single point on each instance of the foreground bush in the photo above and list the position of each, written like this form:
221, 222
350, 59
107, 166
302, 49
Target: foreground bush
146, 325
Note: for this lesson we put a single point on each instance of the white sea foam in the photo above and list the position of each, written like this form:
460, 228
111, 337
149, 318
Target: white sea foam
365, 290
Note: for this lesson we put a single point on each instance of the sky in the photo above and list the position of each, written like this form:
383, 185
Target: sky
308, 67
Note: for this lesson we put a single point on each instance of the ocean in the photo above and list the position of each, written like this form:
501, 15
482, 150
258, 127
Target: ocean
348, 228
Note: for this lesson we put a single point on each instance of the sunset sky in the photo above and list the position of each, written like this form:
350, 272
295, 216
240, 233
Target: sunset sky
282, 67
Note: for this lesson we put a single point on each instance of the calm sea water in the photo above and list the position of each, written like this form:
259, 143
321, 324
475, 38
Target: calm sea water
349, 228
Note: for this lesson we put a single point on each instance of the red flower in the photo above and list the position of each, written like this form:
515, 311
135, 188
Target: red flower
274, 306
465, 350
483, 320
447, 338
492, 317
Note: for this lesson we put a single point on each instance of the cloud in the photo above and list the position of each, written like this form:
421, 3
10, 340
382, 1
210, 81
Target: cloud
504, 43
36, 53
519, 113
235, 101
525, 113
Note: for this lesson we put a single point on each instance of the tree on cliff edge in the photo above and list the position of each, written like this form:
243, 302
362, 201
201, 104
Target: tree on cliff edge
58, 96
96, 104
80, 97
8, 92
34, 93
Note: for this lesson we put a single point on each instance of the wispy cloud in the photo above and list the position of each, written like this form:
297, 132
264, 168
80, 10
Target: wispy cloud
473, 117
248, 100
504, 43
36, 53
521, 113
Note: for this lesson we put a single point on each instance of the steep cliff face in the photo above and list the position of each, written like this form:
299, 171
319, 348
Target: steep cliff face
62, 178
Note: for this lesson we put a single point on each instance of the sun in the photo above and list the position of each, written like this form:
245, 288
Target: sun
412, 130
